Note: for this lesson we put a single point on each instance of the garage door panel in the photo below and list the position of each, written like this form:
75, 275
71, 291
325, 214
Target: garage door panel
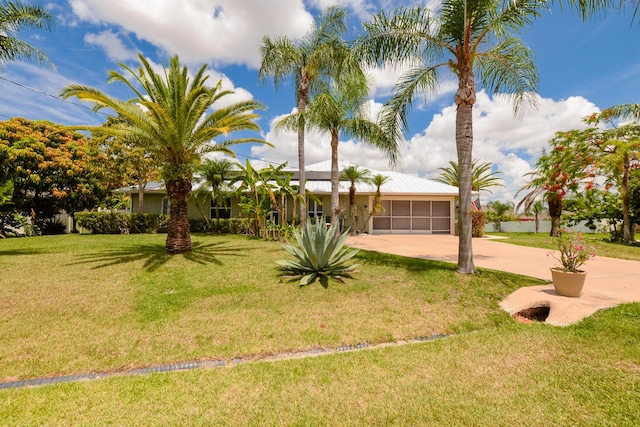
422, 224
414, 216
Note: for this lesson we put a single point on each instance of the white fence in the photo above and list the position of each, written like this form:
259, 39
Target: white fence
530, 227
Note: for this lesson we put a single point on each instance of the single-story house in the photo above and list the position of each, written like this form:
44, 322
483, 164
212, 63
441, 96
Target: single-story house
412, 205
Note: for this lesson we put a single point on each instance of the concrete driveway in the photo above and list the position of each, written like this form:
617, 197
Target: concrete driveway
609, 282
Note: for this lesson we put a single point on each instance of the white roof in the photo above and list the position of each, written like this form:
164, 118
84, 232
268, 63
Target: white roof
319, 183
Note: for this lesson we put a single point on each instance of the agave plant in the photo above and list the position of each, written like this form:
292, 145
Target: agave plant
320, 254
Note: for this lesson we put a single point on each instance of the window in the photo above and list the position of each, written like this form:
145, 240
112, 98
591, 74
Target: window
274, 215
166, 206
314, 209
220, 209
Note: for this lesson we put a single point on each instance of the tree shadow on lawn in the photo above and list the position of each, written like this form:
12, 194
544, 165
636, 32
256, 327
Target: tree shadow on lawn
407, 263
156, 255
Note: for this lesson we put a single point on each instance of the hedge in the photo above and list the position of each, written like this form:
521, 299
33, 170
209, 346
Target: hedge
124, 223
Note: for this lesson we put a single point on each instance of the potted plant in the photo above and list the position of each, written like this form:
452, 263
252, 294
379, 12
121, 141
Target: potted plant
568, 279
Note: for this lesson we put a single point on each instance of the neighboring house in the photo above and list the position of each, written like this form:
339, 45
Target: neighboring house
412, 205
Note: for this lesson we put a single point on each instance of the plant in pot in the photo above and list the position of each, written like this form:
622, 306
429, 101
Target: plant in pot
568, 279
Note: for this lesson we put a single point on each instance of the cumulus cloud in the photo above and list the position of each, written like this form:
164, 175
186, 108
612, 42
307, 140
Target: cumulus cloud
222, 31
111, 43
511, 144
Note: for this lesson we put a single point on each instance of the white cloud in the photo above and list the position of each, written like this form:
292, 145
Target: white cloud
111, 43
512, 145
225, 31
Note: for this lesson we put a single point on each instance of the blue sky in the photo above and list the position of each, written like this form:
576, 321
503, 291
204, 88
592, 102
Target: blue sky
583, 68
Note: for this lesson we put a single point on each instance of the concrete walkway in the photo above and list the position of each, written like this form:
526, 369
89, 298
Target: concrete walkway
609, 281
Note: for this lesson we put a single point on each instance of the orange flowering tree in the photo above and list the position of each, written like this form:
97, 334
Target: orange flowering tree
569, 166
52, 169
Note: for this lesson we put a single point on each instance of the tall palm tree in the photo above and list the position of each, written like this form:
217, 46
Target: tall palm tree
481, 176
468, 38
311, 62
170, 116
339, 111
15, 16
354, 174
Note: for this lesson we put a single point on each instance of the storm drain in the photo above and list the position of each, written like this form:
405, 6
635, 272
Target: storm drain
533, 314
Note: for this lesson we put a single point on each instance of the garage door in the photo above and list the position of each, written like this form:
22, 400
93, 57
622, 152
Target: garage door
413, 217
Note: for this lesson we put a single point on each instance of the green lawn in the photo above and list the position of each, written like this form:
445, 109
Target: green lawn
600, 241
80, 303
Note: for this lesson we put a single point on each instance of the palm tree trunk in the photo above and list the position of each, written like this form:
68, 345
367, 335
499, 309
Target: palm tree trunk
465, 98
627, 225
179, 236
352, 205
335, 178
303, 91
464, 145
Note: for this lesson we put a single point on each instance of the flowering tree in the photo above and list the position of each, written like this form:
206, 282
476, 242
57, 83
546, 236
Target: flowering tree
618, 148
51, 168
569, 166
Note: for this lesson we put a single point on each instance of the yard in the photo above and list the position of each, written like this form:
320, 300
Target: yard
79, 304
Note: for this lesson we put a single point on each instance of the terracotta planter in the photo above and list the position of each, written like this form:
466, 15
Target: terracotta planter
568, 284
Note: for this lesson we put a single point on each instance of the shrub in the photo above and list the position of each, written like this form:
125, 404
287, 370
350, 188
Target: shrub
321, 255
142, 222
53, 226
199, 225
103, 222
117, 222
478, 221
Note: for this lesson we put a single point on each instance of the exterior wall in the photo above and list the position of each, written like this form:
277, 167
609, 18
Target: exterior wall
152, 203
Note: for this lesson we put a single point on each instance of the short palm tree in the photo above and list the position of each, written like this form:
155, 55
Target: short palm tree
15, 16
354, 174
312, 63
378, 180
170, 117
481, 176
215, 174
472, 40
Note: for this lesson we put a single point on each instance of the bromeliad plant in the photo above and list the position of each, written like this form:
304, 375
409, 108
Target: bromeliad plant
320, 254
574, 251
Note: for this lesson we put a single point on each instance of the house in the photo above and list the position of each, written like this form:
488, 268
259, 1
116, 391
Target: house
411, 205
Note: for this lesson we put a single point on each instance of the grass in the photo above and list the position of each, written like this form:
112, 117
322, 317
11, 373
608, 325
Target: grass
587, 374
81, 303
75, 304
601, 243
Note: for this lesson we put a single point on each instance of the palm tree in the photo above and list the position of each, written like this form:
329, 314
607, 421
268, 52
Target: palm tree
378, 180
15, 16
215, 174
170, 118
354, 174
467, 38
481, 176
499, 210
537, 209
311, 62
339, 110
